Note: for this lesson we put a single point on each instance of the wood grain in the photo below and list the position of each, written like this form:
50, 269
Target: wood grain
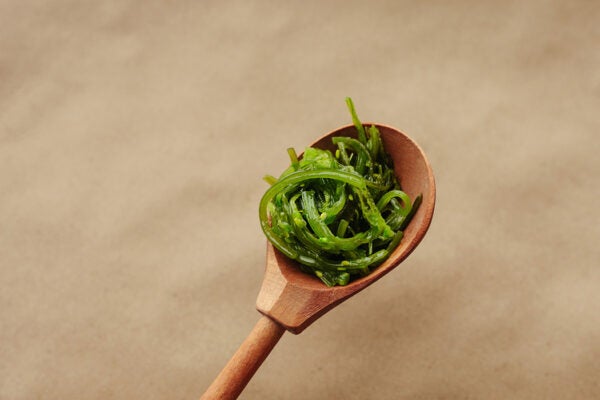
243, 364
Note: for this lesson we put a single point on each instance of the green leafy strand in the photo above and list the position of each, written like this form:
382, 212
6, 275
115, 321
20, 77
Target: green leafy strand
338, 215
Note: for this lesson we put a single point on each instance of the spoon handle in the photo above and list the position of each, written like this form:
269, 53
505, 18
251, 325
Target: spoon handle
243, 364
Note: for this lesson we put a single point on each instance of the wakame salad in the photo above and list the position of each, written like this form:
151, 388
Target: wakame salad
338, 214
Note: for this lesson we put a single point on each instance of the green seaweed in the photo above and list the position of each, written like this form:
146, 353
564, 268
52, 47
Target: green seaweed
339, 215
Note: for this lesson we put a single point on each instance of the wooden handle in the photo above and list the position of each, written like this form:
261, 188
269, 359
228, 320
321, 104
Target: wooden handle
246, 360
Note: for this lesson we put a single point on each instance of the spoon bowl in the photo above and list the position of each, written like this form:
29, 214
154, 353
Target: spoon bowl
295, 299
290, 299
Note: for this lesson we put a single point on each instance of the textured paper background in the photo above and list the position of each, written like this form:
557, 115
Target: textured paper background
133, 139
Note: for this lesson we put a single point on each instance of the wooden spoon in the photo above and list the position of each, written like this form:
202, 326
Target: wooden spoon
291, 300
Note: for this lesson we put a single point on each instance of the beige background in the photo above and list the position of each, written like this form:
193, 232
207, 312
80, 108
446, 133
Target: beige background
133, 139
